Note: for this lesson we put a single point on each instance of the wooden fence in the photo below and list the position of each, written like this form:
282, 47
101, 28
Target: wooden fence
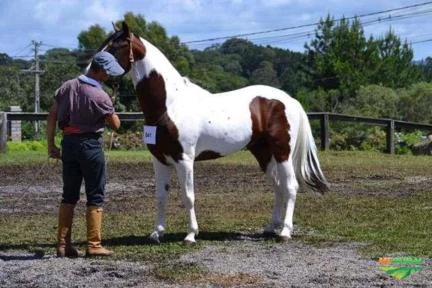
323, 117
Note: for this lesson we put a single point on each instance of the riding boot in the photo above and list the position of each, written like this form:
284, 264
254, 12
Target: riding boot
94, 238
64, 232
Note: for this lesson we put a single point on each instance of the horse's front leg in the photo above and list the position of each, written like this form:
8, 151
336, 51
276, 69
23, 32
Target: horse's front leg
163, 177
185, 176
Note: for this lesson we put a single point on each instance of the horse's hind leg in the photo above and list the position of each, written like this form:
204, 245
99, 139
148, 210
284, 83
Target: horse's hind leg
163, 177
275, 222
289, 187
185, 175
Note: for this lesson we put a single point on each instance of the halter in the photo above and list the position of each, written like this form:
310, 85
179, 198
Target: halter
128, 39
131, 56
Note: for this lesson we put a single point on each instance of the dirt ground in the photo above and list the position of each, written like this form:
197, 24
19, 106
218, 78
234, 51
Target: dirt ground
242, 260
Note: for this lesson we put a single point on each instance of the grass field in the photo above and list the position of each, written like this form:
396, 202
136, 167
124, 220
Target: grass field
383, 201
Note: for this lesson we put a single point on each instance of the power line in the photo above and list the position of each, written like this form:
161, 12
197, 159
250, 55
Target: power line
421, 41
306, 25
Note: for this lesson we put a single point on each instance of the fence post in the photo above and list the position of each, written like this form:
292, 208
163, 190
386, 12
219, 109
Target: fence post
390, 137
324, 123
3, 132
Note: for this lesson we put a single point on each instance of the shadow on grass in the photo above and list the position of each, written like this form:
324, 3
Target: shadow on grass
28, 247
179, 237
35, 256
37, 249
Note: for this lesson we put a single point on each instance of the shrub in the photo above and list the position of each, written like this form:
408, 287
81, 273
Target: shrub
26, 146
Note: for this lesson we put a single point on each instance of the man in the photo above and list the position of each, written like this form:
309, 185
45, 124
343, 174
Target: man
82, 109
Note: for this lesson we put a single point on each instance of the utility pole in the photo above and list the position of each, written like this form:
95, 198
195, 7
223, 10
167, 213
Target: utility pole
36, 71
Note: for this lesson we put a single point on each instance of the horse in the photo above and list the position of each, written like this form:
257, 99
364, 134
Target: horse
186, 123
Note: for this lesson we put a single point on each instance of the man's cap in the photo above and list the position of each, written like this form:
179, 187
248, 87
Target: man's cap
109, 63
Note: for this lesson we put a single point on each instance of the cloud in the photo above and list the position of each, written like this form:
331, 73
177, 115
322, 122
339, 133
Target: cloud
58, 22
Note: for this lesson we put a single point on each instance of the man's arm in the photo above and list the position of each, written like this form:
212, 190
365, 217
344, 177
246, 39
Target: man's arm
113, 121
53, 151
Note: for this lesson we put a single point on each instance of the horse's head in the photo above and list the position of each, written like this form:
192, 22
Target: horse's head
125, 46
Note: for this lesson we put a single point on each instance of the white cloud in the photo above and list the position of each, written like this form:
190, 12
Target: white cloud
58, 22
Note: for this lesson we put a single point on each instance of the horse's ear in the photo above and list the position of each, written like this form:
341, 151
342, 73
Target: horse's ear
125, 27
116, 28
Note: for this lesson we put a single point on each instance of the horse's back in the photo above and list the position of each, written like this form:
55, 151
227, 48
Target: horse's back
251, 92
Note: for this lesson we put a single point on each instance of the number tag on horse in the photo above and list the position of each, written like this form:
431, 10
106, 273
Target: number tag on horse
149, 134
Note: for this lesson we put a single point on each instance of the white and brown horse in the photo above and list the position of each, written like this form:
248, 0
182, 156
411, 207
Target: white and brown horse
187, 123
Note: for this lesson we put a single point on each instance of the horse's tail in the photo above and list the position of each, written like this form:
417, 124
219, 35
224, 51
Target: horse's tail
305, 158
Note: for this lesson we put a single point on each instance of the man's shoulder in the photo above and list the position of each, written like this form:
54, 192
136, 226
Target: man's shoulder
94, 94
71, 82
68, 85
90, 89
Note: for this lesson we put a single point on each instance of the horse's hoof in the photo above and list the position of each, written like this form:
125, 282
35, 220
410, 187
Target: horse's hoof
188, 242
154, 239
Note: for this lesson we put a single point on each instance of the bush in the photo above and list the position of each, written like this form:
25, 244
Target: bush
404, 141
357, 137
124, 141
26, 146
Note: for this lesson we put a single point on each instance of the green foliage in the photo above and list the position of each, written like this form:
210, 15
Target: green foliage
128, 140
373, 101
31, 145
92, 38
342, 59
340, 71
426, 68
357, 137
415, 103
404, 141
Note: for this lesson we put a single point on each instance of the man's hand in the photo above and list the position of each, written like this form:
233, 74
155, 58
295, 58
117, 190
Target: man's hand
112, 121
54, 152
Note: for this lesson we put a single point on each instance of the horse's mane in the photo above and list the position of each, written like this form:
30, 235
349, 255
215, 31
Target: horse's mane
162, 61
168, 70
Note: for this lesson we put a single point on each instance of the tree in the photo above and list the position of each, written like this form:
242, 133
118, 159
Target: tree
395, 67
341, 58
291, 70
92, 38
59, 65
5, 59
374, 101
265, 74
337, 56
14, 88
426, 68
217, 72
416, 103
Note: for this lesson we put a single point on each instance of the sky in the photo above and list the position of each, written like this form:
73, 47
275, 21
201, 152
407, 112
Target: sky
287, 24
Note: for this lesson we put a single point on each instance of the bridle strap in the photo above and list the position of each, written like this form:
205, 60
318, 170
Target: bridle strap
131, 56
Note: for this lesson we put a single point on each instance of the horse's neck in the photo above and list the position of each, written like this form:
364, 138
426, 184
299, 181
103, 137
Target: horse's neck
154, 61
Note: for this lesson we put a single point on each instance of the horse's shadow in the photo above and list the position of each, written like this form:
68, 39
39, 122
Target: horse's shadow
34, 252
178, 237
37, 251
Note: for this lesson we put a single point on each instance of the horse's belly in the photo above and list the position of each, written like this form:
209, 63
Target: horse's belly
222, 146
224, 139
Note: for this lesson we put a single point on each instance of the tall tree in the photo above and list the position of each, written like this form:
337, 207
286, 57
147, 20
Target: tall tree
337, 56
341, 58
395, 67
